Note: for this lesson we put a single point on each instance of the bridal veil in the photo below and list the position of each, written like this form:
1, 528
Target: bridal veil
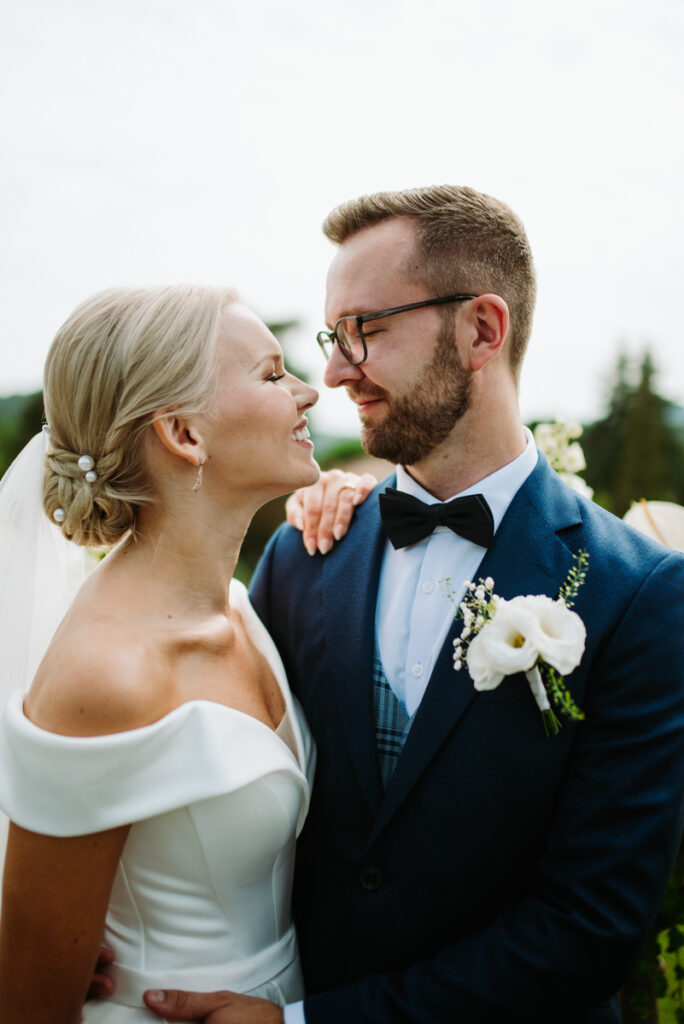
40, 572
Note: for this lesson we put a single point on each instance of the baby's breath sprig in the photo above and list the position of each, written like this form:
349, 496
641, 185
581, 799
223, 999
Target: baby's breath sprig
575, 578
477, 607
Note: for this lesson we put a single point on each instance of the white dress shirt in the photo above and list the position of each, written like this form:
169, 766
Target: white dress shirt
413, 614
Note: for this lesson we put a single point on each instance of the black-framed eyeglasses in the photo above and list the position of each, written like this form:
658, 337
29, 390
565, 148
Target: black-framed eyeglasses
348, 331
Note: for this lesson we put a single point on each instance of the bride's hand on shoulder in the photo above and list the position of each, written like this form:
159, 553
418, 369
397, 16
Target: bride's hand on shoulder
324, 511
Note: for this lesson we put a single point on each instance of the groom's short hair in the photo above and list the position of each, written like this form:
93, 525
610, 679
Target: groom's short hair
466, 241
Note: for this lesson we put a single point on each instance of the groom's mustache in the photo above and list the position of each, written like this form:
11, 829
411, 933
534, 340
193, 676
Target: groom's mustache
366, 394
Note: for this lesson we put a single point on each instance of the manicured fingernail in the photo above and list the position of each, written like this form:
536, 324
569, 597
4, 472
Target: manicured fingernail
157, 996
324, 546
310, 545
338, 532
357, 499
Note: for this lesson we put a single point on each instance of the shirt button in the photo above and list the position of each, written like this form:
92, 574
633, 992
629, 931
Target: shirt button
417, 670
428, 587
370, 878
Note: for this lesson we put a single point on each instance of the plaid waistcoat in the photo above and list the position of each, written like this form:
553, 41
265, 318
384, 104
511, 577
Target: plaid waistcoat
392, 723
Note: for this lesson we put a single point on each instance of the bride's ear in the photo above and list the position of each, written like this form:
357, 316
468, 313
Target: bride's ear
180, 437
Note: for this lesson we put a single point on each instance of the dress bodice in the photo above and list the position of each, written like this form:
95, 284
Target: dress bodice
216, 799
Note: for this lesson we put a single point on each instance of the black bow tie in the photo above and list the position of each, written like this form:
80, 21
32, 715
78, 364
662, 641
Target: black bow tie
407, 519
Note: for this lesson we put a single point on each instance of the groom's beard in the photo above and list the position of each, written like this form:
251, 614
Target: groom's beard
420, 420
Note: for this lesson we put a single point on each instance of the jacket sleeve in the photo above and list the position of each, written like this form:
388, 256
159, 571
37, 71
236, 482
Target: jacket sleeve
567, 946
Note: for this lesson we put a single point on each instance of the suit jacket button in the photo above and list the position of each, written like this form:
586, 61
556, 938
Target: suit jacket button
370, 878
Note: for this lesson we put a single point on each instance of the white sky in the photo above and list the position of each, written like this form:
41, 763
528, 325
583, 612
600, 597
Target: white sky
147, 141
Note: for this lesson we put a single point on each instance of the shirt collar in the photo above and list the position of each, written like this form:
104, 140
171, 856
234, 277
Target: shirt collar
499, 488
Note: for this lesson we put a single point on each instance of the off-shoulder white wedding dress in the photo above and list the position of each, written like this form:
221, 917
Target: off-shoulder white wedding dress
201, 898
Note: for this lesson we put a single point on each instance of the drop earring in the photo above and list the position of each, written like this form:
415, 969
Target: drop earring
198, 479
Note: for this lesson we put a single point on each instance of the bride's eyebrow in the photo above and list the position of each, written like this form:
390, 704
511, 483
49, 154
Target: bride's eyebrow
272, 357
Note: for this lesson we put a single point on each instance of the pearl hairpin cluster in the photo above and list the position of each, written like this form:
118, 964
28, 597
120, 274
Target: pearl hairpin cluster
86, 463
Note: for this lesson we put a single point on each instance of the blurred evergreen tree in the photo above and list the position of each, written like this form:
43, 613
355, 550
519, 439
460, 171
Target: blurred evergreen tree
637, 450
21, 416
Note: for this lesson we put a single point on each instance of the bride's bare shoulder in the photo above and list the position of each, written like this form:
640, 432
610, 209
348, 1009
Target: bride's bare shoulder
101, 675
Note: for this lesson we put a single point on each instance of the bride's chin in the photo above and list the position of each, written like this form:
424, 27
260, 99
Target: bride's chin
310, 476
303, 477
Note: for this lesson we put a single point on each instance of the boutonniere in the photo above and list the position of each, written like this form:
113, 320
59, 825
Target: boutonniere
534, 634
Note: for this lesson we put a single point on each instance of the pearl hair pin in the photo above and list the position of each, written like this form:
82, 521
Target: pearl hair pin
86, 463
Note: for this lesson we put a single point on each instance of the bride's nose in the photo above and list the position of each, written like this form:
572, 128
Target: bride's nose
305, 396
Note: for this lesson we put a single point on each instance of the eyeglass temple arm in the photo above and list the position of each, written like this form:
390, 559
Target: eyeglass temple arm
365, 317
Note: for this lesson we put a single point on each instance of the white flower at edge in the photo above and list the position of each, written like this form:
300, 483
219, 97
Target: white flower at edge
522, 631
545, 436
558, 442
574, 458
577, 484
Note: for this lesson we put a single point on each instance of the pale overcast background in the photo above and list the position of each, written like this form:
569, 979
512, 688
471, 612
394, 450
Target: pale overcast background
147, 141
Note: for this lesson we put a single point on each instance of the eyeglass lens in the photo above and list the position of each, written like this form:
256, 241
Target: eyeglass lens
349, 338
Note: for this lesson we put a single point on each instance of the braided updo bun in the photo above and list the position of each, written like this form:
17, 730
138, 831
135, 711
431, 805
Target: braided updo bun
121, 357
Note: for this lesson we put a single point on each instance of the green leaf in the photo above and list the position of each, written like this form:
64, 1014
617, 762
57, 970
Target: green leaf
675, 939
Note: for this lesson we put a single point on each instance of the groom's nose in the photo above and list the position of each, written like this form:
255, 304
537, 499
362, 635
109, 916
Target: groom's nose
339, 370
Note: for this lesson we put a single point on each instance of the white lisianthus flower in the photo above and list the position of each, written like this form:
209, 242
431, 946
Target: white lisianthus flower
532, 635
560, 635
506, 644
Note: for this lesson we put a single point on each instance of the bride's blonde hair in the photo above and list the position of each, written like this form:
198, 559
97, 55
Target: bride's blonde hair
123, 356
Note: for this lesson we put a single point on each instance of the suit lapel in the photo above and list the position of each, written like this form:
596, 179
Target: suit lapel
526, 557
350, 586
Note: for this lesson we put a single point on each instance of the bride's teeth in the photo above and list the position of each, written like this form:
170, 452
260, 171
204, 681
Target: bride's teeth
301, 435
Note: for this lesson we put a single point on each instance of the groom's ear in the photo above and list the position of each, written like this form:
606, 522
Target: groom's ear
486, 321
180, 437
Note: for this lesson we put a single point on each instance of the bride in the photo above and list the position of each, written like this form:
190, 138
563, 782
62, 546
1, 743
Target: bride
157, 773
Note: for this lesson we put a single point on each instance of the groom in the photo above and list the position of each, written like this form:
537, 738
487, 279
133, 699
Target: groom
457, 863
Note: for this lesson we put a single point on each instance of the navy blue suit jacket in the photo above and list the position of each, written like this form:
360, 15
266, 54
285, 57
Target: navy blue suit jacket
503, 875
